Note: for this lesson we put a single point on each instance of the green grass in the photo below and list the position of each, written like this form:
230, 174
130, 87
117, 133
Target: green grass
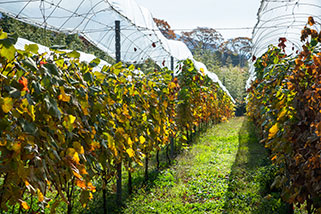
251, 177
225, 171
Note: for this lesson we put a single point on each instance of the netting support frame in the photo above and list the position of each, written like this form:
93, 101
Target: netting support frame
119, 165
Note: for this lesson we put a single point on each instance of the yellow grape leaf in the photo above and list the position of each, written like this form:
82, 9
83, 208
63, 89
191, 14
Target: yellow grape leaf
81, 184
125, 110
68, 122
91, 187
90, 196
40, 195
73, 154
281, 115
166, 132
142, 139
172, 85
130, 142
7, 104
76, 157
118, 111
76, 174
71, 119
165, 104
82, 170
273, 130
140, 163
274, 157
130, 152
100, 76
24, 205
144, 117
78, 147
32, 112
63, 96
27, 183
94, 145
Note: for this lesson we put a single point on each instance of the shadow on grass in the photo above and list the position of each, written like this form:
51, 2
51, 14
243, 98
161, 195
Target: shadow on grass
251, 177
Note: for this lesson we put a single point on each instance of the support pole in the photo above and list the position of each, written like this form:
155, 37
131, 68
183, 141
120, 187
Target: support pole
119, 165
172, 138
117, 37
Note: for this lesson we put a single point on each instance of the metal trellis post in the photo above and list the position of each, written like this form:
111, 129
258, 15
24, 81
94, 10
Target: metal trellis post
117, 32
172, 138
119, 165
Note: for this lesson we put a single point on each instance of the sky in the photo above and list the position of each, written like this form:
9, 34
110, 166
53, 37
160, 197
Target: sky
183, 14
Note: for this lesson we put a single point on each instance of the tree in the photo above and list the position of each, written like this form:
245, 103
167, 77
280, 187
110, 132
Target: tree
209, 58
203, 37
165, 28
234, 79
240, 46
229, 61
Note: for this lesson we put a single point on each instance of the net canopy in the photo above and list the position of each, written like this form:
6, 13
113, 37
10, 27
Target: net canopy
84, 57
95, 21
282, 18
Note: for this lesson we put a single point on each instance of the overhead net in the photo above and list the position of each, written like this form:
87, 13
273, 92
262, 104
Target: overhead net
282, 18
95, 21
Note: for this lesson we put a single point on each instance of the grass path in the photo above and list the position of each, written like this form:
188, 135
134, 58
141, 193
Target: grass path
225, 171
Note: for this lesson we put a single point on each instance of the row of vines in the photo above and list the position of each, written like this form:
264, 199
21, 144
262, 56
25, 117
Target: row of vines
63, 125
284, 102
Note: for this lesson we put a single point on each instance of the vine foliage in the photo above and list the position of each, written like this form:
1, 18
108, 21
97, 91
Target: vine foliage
284, 102
64, 125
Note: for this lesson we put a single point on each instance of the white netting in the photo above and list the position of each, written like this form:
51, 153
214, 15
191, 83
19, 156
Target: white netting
282, 18
84, 57
95, 21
